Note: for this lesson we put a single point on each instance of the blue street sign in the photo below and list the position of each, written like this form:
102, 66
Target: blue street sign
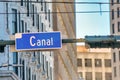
38, 41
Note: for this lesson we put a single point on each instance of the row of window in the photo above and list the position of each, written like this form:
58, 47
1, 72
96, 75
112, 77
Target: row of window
116, 71
25, 71
113, 13
113, 17
31, 10
118, 27
115, 56
97, 62
113, 1
21, 26
113, 28
98, 76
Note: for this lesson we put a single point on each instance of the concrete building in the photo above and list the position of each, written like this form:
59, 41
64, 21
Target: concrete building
94, 64
65, 63
24, 16
115, 30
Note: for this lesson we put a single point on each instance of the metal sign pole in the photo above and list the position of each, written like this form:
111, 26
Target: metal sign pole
12, 42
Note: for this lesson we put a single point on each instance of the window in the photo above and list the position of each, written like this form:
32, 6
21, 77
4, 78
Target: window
44, 64
98, 63
41, 5
21, 2
15, 58
118, 13
22, 26
33, 16
112, 13
112, 2
33, 77
38, 57
15, 61
107, 63
28, 6
79, 62
40, 24
26, 27
25, 2
80, 75
20, 68
47, 68
29, 78
42, 61
14, 20
7, 15
115, 72
49, 15
118, 26
23, 70
88, 63
114, 57
37, 22
98, 76
45, 7
19, 22
51, 75
88, 76
113, 29
42, 27
2, 49
108, 76
27, 73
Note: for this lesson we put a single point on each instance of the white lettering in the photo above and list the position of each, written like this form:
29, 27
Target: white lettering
51, 41
38, 42
41, 42
32, 37
48, 42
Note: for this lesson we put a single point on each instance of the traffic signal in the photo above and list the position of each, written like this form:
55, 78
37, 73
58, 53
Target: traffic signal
102, 41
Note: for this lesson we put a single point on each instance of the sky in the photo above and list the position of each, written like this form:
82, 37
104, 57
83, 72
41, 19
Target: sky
92, 23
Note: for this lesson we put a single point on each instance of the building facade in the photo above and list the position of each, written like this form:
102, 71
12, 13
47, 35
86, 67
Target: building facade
115, 30
94, 64
65, 62
25, 16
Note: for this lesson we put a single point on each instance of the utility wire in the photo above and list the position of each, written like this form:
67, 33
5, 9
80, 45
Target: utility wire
63, 12
65, 2
100, 3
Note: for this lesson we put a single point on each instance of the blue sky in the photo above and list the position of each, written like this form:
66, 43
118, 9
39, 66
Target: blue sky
92, 23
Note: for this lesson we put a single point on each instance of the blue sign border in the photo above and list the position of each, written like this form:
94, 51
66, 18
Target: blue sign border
22, 40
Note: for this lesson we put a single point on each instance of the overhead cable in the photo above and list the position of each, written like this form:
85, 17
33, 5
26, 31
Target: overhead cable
66, 2
63, 12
